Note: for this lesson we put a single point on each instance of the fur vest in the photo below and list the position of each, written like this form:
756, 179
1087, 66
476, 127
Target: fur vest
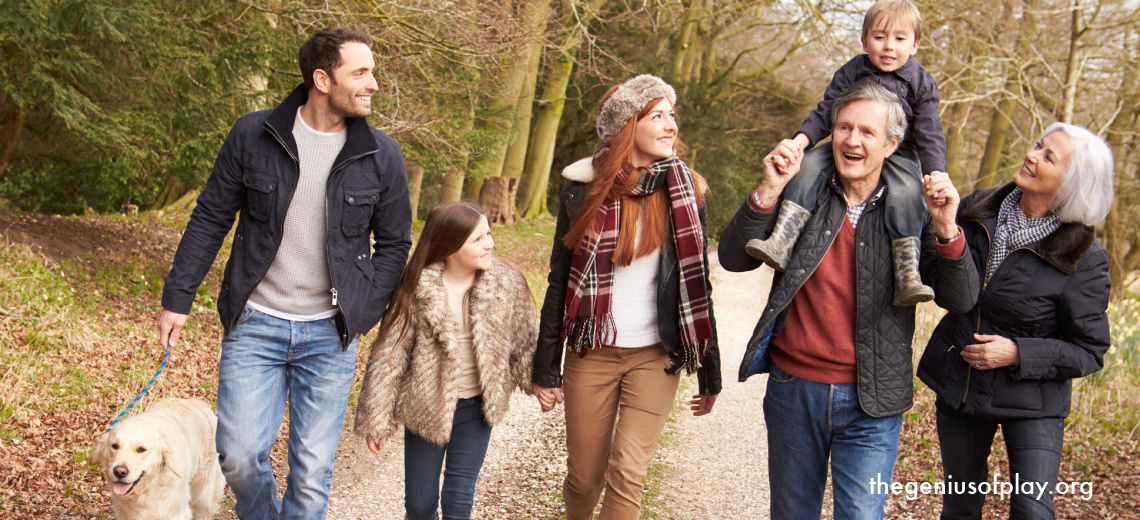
416, 382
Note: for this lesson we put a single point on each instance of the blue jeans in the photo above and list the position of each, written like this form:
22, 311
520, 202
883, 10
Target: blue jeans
810, 422
905, 205
464, 452
1034, 447
266, 362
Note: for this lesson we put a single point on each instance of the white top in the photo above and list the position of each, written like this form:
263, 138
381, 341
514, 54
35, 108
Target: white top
634, 294
468, 366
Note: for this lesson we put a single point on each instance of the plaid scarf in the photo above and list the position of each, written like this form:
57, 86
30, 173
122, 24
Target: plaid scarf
589, 322
1015, 230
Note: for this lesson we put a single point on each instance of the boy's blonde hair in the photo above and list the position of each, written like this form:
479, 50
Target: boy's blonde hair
901, 13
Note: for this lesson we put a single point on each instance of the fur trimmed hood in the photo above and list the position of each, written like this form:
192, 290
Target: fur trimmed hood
416, 382
1063, 248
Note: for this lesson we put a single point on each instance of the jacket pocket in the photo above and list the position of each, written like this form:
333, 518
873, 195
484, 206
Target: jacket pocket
357, 213
261, 194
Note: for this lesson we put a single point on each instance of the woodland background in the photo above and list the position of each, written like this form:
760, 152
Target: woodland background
112, 102
106, 104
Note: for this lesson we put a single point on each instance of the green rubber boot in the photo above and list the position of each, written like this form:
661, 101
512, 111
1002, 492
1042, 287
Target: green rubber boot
776, 250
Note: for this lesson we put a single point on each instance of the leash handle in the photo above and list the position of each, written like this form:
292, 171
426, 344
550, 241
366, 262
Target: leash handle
148, 385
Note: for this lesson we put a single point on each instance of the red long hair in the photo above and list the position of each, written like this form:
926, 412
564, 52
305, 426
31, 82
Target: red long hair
613, 180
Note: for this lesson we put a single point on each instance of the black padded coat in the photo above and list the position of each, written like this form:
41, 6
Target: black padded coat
1049, 297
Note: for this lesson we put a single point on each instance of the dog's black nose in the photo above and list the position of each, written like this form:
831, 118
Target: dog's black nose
120, 471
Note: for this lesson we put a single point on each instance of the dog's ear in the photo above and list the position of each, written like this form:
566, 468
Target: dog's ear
98, 450
170, 460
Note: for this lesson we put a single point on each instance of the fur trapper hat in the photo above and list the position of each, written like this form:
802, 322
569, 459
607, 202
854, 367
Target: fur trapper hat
628, 100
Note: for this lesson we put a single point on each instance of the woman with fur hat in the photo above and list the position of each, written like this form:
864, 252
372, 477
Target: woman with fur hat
457, 338
629, 300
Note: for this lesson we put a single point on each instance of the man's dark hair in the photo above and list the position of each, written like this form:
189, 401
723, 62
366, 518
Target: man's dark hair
322, 50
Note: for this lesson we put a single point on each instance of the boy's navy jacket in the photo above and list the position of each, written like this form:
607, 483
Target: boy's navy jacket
255, 174
923, 142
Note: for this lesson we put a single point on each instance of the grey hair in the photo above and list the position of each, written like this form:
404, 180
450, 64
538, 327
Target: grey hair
869, 89
1085, 195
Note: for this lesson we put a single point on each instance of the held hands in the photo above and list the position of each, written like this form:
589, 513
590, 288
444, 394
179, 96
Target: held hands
702, 404
374, 445
779, 168
991, 352
170, 326
547, 397
942, 201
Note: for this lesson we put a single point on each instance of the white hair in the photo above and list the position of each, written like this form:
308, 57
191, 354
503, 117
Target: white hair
869, 90
1085, 195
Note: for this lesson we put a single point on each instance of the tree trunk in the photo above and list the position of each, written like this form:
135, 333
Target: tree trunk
1075, 63
498, 199
415, 182
952, 124
541, 155
452, 181
995, 143
501, 120
169, 195
550, 108
13, 123
514, 160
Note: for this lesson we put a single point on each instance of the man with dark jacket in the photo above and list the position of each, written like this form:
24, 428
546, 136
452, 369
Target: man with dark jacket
312, 182
838, 350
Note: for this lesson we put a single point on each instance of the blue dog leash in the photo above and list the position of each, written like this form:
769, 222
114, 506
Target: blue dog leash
148, 385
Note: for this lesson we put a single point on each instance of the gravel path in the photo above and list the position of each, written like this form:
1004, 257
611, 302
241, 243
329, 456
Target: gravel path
719, 462
525, 465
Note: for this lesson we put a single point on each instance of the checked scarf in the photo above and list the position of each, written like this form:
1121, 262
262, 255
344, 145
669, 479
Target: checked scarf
589, 322
1015, 230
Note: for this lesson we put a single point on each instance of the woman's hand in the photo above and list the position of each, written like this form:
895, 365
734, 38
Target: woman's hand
375, 445
547, 397
991, 352
702, 404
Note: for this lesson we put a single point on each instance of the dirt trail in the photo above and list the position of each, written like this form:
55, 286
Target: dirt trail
715, 465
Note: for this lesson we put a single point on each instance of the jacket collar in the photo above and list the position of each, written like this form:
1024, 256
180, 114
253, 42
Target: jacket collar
1063, 248
359, 140
486, 299
581, 170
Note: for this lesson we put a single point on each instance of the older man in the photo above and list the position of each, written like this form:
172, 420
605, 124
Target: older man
838, 350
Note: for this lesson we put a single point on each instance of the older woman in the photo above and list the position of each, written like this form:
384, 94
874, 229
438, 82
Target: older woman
1039, 322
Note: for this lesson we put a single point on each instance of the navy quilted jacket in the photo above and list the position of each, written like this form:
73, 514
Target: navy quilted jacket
883, 331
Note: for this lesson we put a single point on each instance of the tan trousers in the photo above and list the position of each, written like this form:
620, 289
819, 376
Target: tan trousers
631, 386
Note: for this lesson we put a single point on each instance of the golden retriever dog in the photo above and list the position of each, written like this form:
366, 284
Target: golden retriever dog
162, 464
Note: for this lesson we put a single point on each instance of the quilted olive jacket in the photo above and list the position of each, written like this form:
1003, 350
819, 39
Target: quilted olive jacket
883, 331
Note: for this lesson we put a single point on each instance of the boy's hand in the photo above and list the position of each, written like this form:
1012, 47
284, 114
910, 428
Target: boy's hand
803, 142
942, 202
779, 168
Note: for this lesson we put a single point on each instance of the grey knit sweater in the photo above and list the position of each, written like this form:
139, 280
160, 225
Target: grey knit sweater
297, 286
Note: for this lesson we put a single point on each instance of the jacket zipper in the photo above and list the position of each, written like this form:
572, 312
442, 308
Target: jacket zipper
249, 293
328, 258
985, 283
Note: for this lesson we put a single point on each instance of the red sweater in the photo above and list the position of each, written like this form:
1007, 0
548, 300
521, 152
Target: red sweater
818, 340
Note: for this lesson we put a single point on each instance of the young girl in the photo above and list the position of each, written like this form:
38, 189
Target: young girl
456, 340
629, 298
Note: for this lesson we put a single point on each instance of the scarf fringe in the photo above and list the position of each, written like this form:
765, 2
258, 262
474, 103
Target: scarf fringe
586, 333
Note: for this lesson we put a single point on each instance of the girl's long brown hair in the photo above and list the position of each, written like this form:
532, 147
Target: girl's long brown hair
611, 180
445, 231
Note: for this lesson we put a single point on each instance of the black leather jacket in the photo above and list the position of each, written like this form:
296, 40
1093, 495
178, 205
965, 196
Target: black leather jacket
548, 357
1049, 297
255, 175
883, 331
